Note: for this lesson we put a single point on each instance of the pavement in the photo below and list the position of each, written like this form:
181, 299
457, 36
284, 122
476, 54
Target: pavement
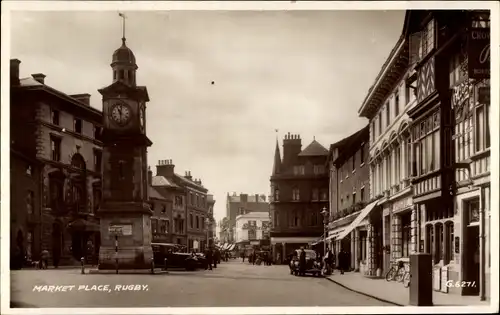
395, 293
231, 284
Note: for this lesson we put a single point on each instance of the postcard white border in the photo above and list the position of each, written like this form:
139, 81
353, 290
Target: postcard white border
8, 6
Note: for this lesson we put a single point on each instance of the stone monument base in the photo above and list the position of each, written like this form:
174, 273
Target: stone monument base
133, 257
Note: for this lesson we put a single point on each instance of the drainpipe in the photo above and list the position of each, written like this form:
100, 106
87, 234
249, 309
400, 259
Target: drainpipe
482, 258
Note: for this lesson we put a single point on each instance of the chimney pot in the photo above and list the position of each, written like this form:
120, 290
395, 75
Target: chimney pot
14, 71
39, 77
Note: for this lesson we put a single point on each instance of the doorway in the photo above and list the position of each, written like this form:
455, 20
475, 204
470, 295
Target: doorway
471, 261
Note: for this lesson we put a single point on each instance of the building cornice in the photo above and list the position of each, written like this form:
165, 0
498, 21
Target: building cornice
394, 67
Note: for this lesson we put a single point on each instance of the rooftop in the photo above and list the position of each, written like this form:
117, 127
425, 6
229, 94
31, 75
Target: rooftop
314, 149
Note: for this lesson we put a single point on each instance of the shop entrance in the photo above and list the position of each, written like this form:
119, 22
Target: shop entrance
471, 261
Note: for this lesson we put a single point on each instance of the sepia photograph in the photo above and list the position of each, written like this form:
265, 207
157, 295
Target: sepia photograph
260, 157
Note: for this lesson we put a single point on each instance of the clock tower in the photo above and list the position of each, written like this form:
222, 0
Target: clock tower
125, 212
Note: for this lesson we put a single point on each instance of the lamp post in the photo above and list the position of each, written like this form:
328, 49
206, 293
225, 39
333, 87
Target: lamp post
207, 222
325, 224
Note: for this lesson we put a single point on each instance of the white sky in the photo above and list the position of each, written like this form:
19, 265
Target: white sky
304, 72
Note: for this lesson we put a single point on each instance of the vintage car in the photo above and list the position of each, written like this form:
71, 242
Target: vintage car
201, 260
313, 266
175, 259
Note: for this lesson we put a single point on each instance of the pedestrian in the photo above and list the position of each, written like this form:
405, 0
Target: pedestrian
44, 259
342, 261
243, 256
216, 258
278, 258
302, 261
208, 257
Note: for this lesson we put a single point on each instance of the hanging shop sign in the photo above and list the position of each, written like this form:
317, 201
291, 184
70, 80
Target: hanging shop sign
478, 52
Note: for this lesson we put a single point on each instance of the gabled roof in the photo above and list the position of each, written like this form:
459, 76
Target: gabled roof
162, 181
183, 179
314, 149
351, 143
154, 194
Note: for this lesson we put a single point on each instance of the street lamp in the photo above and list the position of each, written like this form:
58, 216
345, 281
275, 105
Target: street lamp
207, 222
325, 224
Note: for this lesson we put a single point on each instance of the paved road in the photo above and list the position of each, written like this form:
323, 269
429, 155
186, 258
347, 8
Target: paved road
231, 284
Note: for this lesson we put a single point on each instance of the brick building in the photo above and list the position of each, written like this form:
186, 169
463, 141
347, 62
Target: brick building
299, 186
55, 171
161, 202
241, 204
349, 192
189, 205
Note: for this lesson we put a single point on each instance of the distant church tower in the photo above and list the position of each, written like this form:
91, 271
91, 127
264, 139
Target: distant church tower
125, 214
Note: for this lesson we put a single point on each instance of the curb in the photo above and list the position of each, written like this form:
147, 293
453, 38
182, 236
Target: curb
364, 293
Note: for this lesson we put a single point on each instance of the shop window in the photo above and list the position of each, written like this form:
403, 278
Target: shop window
406, 237
450, 241
429, 231
472, 208
438, 239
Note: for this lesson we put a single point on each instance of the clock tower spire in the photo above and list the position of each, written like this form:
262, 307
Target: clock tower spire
125, 214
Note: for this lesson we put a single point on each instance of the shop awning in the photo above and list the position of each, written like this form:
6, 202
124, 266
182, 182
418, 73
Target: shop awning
335, 234
231, 247
364, 213
293, 240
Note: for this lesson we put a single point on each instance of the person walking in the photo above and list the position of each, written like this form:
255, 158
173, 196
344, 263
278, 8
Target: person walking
209, 258
216, 258
44, 259
302, 261
342, 261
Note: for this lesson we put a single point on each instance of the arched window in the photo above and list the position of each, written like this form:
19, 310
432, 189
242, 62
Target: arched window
78, 161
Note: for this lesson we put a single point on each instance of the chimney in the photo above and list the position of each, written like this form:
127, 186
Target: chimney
39, 77
165, 168
150, 176
188, 175
292, 146
14, 71
243, 197
84, 98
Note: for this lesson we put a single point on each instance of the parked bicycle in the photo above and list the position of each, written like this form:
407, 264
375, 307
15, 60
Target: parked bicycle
406, 279
396, 273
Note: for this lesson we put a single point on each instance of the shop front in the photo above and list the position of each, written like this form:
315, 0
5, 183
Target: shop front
363, 240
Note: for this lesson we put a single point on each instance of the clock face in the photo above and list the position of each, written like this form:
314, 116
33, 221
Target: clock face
120, 113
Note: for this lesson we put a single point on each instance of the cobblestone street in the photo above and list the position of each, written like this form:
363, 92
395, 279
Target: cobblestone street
232, 284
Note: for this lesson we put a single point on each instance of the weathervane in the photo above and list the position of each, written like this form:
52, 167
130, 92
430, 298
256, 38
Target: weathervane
123, 25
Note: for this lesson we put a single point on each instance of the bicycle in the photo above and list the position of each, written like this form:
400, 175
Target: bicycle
406, 279
396, 274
